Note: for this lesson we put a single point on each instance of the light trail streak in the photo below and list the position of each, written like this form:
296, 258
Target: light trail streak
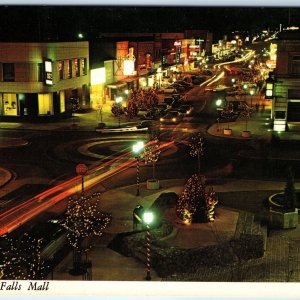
22, 213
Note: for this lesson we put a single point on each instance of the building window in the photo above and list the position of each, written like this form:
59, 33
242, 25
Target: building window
40, 72
293, 94
70, 69
83, 66
76, 67
45, 104
62, 101
60, 68
8, 72
295, 65
10, 105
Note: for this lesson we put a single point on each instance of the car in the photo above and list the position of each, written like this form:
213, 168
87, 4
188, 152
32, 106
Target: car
168, 90
162, 108
185, 109
151, 114
172, 117
169, 100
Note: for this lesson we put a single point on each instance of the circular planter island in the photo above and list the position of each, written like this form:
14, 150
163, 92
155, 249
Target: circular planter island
279, 217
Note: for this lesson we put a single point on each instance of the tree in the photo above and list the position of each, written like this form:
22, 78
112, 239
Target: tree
197, 147
151, 155
195, 203
291, 201
246, 114
84, 220
22, 258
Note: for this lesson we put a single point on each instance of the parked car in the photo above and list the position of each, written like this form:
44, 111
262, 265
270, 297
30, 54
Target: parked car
172, 117
168, 90
169, 101
162, 108
185, 109
151, 114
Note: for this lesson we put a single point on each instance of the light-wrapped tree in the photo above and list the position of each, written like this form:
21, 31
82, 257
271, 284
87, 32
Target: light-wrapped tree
84, 220
195, 203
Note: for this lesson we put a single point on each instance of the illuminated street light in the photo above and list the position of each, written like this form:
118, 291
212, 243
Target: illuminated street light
148, 218
233, 80
137, 149
251, 93
80, 35
218, 104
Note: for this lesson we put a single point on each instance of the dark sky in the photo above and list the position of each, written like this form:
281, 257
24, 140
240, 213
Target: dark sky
30, 23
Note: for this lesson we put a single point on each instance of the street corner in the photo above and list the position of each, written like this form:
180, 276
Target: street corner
6, 142
5, 176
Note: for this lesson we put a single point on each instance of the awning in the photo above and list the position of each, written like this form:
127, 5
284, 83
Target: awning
116, 85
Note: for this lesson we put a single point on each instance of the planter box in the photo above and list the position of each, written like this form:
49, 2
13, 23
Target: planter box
246, 133
285, 220
227, 131
152, 184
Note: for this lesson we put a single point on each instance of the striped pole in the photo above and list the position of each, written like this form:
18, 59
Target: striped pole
148, 276
137, 176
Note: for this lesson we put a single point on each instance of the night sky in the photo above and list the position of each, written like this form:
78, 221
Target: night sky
42, 23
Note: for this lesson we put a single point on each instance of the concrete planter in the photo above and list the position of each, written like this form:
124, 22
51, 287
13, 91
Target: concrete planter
246, 134
283, 220
227, 131
152, 184
278, 217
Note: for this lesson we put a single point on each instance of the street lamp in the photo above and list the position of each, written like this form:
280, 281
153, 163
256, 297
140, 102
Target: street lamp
148, 218
137, 148
218, 104
251, 93
119, 103
233, 80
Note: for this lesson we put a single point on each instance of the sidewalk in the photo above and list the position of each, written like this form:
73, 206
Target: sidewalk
109, 265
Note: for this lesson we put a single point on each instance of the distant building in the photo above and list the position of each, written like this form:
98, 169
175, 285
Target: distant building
286, 82
40, 80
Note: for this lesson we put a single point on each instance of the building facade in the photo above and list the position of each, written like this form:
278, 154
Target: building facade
286, 82
42, 80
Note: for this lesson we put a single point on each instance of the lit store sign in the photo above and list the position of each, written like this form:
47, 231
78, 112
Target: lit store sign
48, 72
128, 67
98, 76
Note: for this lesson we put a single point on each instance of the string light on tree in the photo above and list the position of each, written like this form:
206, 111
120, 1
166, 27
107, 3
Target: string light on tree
83, 221
197, 147
151, 155
195, 204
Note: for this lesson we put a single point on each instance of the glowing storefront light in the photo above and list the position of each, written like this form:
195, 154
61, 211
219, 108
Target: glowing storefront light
98, 76
128, 67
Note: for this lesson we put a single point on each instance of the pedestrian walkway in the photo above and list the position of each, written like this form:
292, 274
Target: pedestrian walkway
109, 265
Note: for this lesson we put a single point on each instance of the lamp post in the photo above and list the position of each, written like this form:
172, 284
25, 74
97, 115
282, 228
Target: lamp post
119, 103
218, 104
251, 94
137, 148
148, 219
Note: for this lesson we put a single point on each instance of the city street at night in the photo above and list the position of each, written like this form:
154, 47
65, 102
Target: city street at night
149, 144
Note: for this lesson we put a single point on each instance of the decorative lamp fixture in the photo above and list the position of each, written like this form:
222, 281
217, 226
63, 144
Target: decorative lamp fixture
270, 86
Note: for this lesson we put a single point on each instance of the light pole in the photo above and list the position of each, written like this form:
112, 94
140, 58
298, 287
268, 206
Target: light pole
251, 93
119, 103
148, 219
219, 109
137, 148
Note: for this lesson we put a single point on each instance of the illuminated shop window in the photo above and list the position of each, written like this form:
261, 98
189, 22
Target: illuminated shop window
10, 105
45, 104
60, 67
83, 66
62, 101
76, 67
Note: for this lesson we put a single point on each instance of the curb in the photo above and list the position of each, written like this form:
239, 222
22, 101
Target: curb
7, 176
